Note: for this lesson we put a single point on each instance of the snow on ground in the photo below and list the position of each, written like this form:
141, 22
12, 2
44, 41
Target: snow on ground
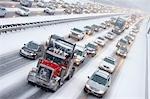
6, 21
21, 74
130, 81
16, 39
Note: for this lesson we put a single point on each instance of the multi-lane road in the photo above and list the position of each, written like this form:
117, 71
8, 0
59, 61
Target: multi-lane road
14, 68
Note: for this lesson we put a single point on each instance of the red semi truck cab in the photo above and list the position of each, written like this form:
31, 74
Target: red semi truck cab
56, 66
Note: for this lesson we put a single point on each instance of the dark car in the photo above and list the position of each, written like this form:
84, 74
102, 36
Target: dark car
32, 50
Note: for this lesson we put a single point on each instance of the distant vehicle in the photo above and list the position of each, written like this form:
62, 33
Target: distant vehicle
56, 66
122, 42
49, 11
77, 11
113, 20
132, 35
76, 34
108, 64
108, 23
68, 10
16, 0
129, 39
119, 26
42, 4
89, 30
91, 49
79, 55
98, 83
122, 51
27, 3
3, 12
135, 30
23, 11
103, 26
95, 27
101, 41
110, 35
32, 50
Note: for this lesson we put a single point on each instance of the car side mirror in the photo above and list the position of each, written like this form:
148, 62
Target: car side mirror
108, 86
24, 44
88, 77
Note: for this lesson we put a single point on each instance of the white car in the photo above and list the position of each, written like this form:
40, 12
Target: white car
122, 42
98, 83
108, 64
79, 55
91, 49
23, 11
122, 51
110, 35
76, 34
101, 41
41, 4
49, 11
88, 30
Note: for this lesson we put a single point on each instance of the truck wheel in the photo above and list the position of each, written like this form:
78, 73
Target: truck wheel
71, 74
56, 87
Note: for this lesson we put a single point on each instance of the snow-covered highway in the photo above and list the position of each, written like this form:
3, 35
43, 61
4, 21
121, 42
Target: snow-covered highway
15, 80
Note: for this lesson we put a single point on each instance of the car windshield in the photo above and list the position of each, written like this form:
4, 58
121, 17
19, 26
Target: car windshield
123, 48
78, 52
91, 45
123, 41
24, 9
75, 29
54, 59
32, 46
109, 61
100, 38
99, 79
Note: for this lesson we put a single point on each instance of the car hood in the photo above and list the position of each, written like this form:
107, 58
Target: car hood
96, 86
28, 50
121, 51
90, 49
79, 57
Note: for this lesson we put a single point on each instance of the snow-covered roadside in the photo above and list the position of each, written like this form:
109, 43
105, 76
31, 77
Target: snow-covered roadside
130, 81
31, 9
7, 21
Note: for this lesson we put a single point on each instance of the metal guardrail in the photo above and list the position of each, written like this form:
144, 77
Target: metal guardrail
14, 27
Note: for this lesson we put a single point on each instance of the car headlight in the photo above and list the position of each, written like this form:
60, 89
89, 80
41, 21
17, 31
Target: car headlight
33, 54
100, 92
87, 86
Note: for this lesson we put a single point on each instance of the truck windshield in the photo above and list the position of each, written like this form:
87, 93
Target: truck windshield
54, 59
44, 73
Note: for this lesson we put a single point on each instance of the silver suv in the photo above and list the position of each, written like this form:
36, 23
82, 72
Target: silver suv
98, 83
79, 55
76, 34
